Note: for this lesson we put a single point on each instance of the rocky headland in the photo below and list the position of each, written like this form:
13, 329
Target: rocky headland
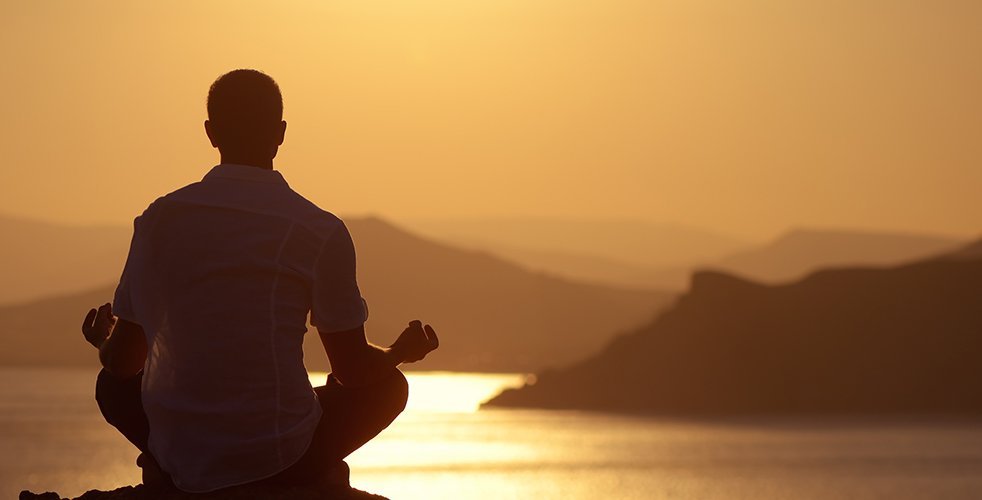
864, 341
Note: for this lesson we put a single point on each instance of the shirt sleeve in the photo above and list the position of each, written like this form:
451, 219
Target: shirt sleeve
337, 304
123, 298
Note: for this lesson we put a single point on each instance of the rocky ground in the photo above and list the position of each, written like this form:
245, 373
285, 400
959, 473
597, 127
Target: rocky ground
142, 492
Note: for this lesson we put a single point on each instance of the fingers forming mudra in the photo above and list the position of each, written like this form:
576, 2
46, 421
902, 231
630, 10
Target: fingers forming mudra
98, 324
416, 341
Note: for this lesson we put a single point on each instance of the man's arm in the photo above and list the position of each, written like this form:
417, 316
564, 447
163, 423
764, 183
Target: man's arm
122, 344
337, 307
355, 361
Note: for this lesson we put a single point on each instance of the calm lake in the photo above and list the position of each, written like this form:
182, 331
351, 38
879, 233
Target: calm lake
53, 438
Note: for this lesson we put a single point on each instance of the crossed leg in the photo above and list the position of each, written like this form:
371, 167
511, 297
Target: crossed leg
351, 418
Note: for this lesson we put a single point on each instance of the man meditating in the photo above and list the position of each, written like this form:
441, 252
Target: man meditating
202, 345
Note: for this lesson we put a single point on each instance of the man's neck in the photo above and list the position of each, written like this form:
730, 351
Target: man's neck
264, 163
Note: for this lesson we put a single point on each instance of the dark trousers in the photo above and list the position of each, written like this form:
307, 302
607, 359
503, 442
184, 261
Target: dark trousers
352, 417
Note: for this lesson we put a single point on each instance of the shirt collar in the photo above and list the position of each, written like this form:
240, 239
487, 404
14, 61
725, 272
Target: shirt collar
245, 173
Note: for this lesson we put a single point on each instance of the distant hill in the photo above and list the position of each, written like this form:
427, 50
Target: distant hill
802, 251
799, 252
39, 259
966, 252
906, 339
587, 268
595, 241
640, 254
492, 315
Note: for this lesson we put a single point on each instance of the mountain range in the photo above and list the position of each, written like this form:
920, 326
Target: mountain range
904, 339
491, 314
645, 255
619, 241
799, 252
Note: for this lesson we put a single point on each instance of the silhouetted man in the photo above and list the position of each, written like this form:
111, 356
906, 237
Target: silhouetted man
202, 346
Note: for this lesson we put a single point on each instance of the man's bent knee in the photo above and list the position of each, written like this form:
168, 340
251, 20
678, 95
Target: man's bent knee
116, 395
104, 388
396, 392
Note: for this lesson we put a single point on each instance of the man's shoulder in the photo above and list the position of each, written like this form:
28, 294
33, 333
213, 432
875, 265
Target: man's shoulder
177, 194
155, 206
309, 214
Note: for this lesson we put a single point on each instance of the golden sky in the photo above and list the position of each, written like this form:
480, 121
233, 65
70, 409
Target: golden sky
747, 117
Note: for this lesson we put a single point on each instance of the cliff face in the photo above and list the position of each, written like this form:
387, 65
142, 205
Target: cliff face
900, 340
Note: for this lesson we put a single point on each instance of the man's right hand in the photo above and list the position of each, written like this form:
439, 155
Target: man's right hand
415, 342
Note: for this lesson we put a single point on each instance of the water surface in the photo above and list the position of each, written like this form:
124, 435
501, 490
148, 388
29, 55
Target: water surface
53, 438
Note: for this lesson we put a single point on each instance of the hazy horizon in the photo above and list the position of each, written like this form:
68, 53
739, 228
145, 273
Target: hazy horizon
748, 240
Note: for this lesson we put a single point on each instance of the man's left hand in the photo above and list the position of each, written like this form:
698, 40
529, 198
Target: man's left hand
98, 325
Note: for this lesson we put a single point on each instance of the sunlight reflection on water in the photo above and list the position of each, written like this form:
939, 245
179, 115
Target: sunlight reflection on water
449, 391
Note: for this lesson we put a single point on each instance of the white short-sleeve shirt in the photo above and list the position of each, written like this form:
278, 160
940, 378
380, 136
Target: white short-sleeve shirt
221, 275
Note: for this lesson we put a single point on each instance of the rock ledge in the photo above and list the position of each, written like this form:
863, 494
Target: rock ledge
141, 492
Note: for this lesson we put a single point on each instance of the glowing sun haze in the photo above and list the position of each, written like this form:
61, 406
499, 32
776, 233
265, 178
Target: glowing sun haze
746, 117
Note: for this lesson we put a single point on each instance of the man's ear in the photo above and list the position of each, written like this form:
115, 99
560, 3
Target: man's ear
282, 133
211, 134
